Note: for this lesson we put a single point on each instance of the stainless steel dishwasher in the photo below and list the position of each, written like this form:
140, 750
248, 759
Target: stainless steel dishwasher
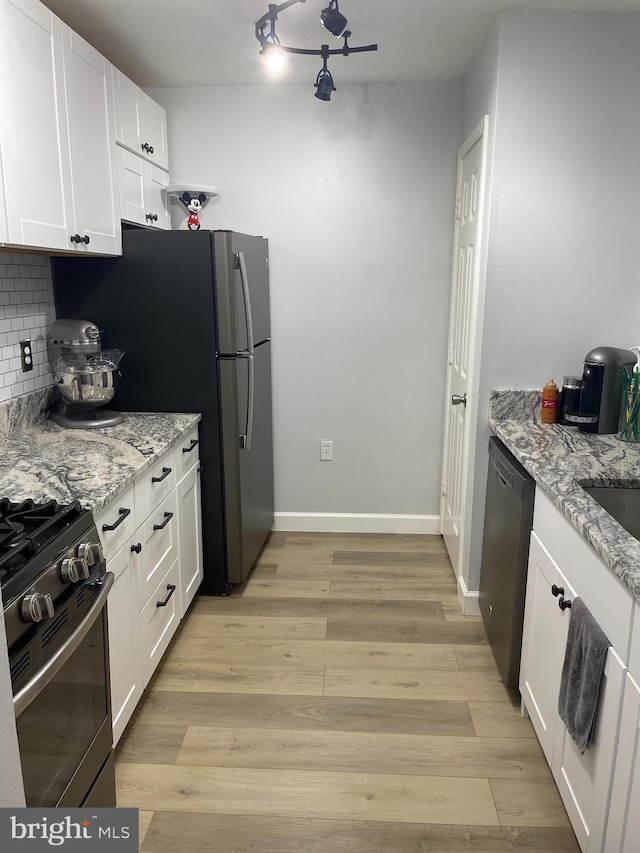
508, 519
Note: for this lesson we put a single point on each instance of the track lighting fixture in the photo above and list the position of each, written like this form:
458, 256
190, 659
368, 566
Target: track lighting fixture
324, 81
332, 20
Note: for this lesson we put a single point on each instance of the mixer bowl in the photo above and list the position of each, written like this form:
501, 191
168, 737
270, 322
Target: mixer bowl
88, 383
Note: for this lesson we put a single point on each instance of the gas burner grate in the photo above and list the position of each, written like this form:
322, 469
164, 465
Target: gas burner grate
28, 527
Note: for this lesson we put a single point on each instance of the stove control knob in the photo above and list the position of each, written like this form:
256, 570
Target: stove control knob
74, 569
37, 606
91, 552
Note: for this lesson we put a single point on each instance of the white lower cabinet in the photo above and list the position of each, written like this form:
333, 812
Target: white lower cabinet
125, 649
623, 825
157, 563
190, 533
159, 619
584, 781
561, 568
543, 643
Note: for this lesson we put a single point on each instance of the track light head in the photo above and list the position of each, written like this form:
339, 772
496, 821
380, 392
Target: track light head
324, 85
333, 19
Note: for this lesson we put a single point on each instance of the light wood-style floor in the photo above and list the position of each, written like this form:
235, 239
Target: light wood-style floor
338, 702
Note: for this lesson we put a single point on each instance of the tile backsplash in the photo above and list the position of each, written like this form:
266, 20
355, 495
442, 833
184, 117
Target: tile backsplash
26, 311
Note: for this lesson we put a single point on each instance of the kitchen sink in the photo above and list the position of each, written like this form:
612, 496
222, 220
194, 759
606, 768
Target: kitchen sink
621, 502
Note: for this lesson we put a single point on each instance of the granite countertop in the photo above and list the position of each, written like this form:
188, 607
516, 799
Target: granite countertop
43, 461
562, 460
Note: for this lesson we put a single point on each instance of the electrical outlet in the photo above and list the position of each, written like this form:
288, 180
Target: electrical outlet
326, 450
26, 356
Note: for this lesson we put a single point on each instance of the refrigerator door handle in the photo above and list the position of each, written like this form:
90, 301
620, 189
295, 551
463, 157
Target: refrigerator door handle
244, 281
245, 438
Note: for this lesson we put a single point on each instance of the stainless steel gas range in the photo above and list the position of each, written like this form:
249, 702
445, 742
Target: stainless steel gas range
54, 588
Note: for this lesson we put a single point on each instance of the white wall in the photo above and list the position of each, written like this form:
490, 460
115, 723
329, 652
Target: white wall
563, 268
356, 197
26, 310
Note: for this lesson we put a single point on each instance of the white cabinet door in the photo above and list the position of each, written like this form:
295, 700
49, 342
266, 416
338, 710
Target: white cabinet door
31, 174
125, 644
125, 94
543, 643
584, 781
89, 105
131, 176
623, 824
140, 123
142, 198
156, 201
153, 131
190, 536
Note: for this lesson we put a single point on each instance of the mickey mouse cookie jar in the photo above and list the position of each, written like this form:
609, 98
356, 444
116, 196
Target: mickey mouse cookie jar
192, 200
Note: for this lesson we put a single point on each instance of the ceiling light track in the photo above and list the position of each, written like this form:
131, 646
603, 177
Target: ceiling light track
332, 20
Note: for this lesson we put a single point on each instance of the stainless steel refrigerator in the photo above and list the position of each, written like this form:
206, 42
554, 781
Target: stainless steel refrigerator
191, 311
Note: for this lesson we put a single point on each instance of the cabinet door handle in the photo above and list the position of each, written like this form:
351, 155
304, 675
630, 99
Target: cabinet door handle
75, 238
172, 588
194, 443
167, 518
165, 474
563, 603
557, 590
123, 513
136, 548
146, 147
86, 239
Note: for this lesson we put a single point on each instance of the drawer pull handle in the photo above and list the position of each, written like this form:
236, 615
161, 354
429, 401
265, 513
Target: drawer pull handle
557, 590
165, 474
564, 603
137, 548
167, 518
172, 588
194, 443
123, 512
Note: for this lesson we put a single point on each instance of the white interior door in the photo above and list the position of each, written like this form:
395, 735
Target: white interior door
461, 402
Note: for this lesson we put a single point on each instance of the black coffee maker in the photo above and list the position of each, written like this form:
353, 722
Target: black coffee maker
602, 389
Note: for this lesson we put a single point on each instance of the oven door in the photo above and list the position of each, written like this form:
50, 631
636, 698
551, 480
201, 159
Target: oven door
63, 711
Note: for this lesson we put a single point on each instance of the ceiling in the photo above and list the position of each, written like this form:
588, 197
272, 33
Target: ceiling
212, 42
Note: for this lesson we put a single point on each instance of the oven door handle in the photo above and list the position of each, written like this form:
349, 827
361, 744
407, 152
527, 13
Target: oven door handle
33, 688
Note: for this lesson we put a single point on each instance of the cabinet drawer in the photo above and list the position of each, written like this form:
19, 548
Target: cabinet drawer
159, 620
157, 546
116, 522
153, 486
187, 453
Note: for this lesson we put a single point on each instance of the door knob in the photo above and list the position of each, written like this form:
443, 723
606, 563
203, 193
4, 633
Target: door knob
459, 399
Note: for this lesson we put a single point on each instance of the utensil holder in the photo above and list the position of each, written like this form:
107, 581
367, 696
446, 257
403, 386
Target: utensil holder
629, 424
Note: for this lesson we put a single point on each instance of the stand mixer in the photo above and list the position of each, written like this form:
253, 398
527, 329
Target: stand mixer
85, 375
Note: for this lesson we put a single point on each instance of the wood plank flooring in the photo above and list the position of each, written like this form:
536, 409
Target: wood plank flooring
337, 702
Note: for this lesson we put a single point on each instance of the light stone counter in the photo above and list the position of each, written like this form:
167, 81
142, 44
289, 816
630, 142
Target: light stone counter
43, 461
562, 460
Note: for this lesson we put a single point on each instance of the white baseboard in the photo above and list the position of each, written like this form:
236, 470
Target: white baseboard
469, 600
327, 522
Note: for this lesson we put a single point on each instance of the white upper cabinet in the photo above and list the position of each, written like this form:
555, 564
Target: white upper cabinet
142, 200
92, 155
141, 124
57, 156
32, 192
